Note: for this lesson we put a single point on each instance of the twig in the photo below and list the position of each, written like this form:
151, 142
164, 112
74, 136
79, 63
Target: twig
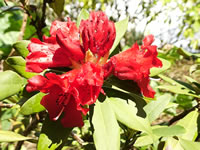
3, 105
77, 138
29, 128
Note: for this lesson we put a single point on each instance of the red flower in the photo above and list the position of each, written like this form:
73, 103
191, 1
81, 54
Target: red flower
98, 33
69, 93
135, 63
69, 40
44, 55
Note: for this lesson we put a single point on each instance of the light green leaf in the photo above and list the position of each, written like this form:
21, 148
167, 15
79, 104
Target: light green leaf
189, 122
106, 129
120, 27
32, 105
19, 65
178, 90
82, 16
143, 141
172, 144
11, 83
21, 47
126, 114
189, 145
155, 71
44, 143
155, 108
57, 6
174, 130
9, 136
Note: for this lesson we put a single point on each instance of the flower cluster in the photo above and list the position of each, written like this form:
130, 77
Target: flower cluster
85, 50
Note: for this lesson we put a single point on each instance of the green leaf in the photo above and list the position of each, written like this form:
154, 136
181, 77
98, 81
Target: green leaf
19, 65
155, 71
44, 143
189, 122
126, 114
82, 16
57, 6
174, 130
11, 83
120, 27
32, 105
178, 90
143, 141
55, 131
172, 144
189, 145
21, 47
9, 136
106, 129
155, 108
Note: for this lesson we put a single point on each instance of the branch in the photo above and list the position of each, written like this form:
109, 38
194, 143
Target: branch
77, 138
3, 105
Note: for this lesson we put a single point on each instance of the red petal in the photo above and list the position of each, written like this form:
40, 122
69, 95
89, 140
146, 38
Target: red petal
72, 117
148, 40
36, 83
134, 64
98, 33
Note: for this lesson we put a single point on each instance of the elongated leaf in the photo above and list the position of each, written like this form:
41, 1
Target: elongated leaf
189, 122
21, 47
84, 14
120, 27
9, 136
126, 114
106, 128
57, 6
172, 144
19, 65
174, 130
189, 145
44, 143
55, 131
155, 108
143, 141
156, 71
11, 83
178, 90
32, 105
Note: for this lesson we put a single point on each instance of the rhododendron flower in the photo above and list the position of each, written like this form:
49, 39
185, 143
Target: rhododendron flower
135, 64
69, 93
86, 51
98, 33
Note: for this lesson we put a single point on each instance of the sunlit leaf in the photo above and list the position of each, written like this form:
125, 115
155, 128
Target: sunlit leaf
57, 6
84, 14
120, 27
9, 136
106, 129
11, 83
32, 105
21, 47
189, 145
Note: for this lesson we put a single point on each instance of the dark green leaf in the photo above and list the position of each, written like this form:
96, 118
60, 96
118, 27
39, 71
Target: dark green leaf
19, 65
106, 128
21, 47
120, 27
32, 105
57, 6
11, 83
82, 16
9, 136
55, 131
